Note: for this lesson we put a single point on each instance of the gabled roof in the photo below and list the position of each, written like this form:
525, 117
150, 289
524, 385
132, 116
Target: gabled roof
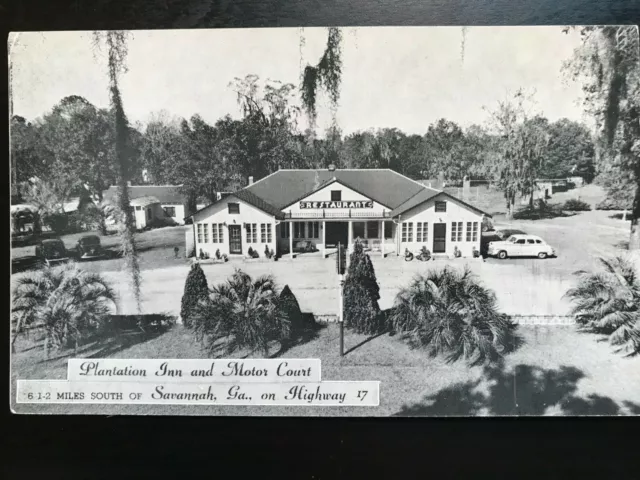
428, 194
166, 194
144, 201
384, 186
249, 198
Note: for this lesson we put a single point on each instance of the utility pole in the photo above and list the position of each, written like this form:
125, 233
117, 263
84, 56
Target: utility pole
341, 268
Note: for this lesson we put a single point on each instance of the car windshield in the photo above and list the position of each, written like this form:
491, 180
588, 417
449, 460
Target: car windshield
512, 239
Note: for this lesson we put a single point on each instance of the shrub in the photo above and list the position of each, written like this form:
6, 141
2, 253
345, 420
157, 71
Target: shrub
268, 253
58, 222
449, 313
608, 302
67, 302
613, 204
196, 290
575, 205
361, 294
250, 252
291, 308
218, 256
243, 313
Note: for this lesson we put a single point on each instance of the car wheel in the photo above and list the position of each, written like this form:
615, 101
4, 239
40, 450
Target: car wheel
542, 255
502, 254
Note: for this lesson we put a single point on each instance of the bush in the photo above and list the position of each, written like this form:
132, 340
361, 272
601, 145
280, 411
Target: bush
243, 313
58, 222
67, 302
196, 290
610, 204
608, 302
449, 313
218, 256
291, 308
487, 225
361, 294
575, 205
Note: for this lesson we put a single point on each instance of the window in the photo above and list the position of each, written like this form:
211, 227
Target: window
220, 233
422, 231
531, 240
472, 231
388, 229
336, 195
313, 231
373, 230
512, 239
520, 242
298, 230
265, 233
234, 208
205, 231
407, 232
456, 231
138, 207
284, 230
441, 206
538, 241
358, 230
170, 211
214, 233
200, 237
252, 233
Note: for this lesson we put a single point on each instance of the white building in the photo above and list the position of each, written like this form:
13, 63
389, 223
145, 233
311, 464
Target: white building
295, 208
156, 205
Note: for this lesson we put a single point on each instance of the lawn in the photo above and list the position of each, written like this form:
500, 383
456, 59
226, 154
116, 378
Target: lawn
556, 371
156, 249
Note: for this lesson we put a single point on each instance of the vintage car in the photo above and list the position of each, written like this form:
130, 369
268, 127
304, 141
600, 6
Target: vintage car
89, 247
505, 233
51, 251
521, 246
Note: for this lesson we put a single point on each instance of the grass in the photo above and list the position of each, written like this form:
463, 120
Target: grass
156, 250
542, 377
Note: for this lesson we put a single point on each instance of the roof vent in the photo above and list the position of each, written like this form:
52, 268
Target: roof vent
332, 167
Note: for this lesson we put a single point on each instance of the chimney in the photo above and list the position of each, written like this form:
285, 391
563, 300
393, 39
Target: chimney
251, 180
129, 183
332, 167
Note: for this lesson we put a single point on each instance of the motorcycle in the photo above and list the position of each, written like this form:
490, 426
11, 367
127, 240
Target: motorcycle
424, 255
408, 256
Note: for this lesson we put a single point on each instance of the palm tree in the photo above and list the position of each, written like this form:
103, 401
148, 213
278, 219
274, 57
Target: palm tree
67, 302
243, 312
448, 312
608, 302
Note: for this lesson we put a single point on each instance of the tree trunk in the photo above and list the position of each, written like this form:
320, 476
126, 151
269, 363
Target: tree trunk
531, 201
510, 205
634, 237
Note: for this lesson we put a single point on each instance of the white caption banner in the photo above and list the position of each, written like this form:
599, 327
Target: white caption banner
194, 371
366, 393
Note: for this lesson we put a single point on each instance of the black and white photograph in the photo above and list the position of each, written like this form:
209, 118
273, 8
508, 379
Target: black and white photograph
339, 221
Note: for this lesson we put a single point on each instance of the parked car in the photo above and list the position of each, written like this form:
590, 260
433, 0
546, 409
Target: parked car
304, 246
521, 246
505, 233
51, 251
89, 247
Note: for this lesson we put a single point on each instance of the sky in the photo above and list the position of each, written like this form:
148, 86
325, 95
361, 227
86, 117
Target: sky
402, 77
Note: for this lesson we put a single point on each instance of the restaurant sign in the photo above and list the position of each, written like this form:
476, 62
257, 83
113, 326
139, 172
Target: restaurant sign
338, 204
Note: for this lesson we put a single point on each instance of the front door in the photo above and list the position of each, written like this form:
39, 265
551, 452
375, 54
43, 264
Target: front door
235, 239
337, 232
439, 237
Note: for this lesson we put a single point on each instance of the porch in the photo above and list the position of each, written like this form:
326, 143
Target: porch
321, 238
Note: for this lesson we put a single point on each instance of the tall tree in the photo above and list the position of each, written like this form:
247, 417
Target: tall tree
570, 151
325, 75
116, 46
521, 145
608, 65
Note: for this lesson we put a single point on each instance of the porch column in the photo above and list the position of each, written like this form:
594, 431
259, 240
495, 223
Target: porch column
350, 234
324, 239
290, 224
381, 238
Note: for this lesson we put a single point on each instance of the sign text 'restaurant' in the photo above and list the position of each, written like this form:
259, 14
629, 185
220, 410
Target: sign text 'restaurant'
340, 204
